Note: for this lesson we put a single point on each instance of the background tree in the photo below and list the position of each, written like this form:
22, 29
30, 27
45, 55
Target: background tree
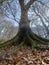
40, 13
25, 35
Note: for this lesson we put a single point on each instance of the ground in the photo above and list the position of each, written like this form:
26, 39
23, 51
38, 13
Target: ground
23, 55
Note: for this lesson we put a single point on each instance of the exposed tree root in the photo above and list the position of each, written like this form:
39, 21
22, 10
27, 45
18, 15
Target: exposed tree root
33, 34
9, 42
28, 38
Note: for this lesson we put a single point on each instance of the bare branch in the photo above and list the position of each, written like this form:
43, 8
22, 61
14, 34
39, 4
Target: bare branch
29, 3
43, 3
12, 19
1, 2
21, 3
12, 14
41, 20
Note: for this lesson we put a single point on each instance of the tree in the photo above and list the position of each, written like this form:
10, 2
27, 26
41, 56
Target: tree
25, 35
41, 15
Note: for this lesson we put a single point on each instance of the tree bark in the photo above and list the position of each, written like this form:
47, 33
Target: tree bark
24, 24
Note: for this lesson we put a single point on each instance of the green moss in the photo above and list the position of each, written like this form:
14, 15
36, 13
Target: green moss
38, 38
43, 39
29, 38
32, 42
9, 42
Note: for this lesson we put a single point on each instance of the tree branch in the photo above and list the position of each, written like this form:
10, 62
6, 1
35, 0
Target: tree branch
1, 2
21, 3
41, 20
43, 4
29, 3
15, 19
12, 18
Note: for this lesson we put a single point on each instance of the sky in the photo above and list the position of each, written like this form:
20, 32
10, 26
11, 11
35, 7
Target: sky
18, 14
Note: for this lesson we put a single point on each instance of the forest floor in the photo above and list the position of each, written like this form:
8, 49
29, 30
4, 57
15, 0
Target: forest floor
23, 55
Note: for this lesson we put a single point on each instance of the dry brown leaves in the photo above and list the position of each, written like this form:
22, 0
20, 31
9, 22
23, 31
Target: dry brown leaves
23, 56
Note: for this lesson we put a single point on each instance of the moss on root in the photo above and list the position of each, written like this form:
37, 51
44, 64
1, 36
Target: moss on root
33, 34
29, 39
9, 42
